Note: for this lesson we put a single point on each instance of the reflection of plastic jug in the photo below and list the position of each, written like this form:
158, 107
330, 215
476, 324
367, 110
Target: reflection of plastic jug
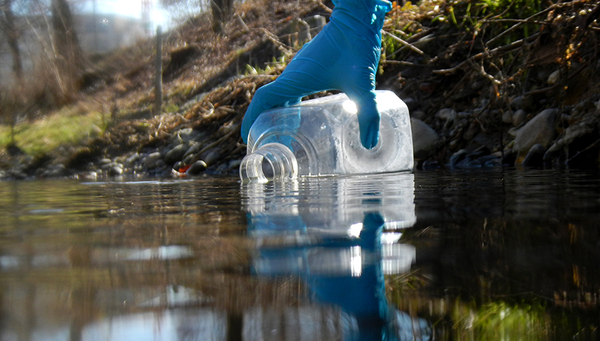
321, 137
330, 205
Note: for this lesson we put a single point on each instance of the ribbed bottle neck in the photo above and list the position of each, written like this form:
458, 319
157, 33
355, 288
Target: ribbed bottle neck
273, 161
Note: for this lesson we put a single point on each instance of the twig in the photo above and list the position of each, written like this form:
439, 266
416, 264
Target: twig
502, 49
242, 23
586, 149
275, 40
234, 130
322, 5
571, 75
514, 27
402, 41
397, 62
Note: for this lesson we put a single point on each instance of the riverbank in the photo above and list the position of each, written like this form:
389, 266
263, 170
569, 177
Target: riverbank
485, 86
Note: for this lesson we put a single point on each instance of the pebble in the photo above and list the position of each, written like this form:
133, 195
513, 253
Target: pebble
196, 168
519, 117
151, 159
212, 157
507, 117
539, 130
104, 162
193, 149
235, 163
133, 159
418, 114
535, 156
56, 171
176, 154
424, 138
554, 77
115, 170
187, 134
457, 157
447, 114
411, 103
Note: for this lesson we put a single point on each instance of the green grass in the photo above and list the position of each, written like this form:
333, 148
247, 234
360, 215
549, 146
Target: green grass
70, 126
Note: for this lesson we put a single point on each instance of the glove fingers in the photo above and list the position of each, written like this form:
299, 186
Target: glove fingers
369, 129
368, 116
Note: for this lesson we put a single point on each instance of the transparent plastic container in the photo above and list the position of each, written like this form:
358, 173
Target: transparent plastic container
320, 137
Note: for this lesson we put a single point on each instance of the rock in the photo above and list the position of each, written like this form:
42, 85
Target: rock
411, 103
585, 106
187, 134
89, 175
151, 159
535, 156
471, 130
115, 170
16, 174
571, 134
465, 114
424, 138
418, 114
480, 152
447, 114
457, 157
196, 168
175, 154
507, 117
178, 165
235, 163
429, 165
519, 117
490, 161
212, 157
104, 162
56, 171
189, 159
539, 130
193, 149
132, 159
554, 77
517, 102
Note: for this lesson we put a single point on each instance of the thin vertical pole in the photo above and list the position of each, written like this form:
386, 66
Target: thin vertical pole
158, 84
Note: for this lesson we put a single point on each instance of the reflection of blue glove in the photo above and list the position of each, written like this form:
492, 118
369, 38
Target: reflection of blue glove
344, 56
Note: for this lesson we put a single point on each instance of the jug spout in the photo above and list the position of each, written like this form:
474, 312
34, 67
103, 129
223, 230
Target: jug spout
272, 161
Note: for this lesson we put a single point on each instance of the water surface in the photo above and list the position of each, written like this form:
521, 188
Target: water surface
481, 255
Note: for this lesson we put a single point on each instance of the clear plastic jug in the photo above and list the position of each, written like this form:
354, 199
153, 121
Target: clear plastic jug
321, 137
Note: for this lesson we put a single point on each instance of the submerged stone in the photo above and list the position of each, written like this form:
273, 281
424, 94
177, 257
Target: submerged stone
196, 168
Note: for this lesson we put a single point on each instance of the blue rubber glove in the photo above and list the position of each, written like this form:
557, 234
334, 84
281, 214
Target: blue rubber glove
343, 56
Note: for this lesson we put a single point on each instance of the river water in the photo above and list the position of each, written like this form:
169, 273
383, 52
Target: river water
431, 255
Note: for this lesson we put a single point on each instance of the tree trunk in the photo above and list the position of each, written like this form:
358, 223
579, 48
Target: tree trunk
11, 32
221, 12
67, 51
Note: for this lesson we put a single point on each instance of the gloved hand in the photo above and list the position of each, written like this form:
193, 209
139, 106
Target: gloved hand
343, 56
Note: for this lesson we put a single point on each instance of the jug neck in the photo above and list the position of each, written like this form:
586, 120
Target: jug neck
273, 161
